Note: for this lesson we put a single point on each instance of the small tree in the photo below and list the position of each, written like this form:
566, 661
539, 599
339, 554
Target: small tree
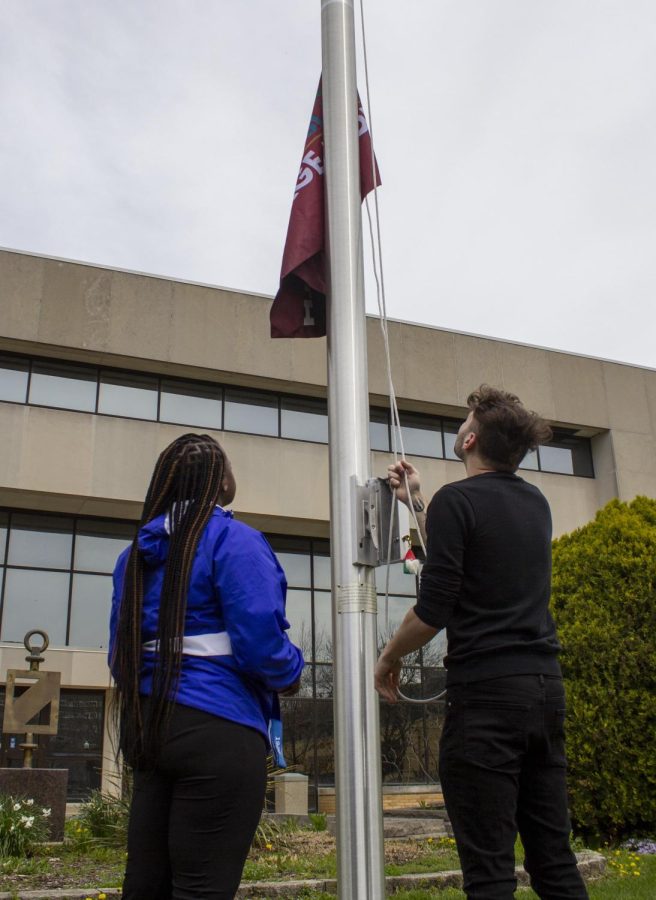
604, 604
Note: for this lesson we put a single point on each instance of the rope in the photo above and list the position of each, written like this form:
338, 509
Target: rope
397, 433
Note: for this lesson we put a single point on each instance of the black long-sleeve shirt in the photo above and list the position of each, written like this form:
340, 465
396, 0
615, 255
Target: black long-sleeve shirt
487, 578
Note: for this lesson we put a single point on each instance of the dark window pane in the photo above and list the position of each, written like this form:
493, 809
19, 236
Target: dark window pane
568, 454
78, 744
98, 545
61, 385
187, 403
450, 430
304, 419
296, 567
323, 627
132, 396
35, 599
13, 379
299, 616
325, 744
324, 679
530, 461
40, 541
379, 437
298, 734
402, 735
422, 435
322, 572
251, 412
90, 605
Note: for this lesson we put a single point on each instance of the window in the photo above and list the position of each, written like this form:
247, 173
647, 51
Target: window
304, 419
14, 373
422, 435
252, 412
379, 433
450, 430
57, 576
64, 386
133, 396
530, 461
567, 454
187, 403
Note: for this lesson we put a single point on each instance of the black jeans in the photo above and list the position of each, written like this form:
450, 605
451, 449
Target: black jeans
503, 770
192, 819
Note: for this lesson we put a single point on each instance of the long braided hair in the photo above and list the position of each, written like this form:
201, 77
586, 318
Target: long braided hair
186, 483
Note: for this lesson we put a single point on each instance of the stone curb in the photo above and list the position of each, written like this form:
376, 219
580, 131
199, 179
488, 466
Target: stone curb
591, 865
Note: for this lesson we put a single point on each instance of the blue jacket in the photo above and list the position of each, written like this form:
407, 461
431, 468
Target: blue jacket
236, 586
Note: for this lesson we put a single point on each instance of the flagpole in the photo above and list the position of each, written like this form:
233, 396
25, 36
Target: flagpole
360, 854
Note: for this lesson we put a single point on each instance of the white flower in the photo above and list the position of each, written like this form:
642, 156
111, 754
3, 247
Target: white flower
29, 803
29, 822
17, 806
45, 812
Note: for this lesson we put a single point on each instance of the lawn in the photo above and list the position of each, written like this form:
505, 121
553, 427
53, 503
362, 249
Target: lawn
301, 853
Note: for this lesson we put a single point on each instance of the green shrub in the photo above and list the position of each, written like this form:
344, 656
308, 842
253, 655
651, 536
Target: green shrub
103, 821
22, 825
604, 604
319, 821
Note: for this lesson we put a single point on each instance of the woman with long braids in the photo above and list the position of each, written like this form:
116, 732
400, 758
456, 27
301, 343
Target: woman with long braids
199, 652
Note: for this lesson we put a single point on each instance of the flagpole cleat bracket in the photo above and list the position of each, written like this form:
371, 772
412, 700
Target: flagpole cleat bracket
376, 509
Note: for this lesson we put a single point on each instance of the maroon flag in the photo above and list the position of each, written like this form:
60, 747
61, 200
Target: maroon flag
299, 307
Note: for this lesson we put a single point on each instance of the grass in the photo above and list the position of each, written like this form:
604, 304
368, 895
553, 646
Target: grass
305, 853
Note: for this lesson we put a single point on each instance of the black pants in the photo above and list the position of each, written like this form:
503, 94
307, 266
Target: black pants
192, 820
503, 770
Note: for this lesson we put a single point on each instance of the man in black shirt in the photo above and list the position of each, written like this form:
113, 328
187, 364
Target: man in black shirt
487, 580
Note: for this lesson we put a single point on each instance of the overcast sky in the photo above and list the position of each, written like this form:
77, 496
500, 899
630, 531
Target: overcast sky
516, 141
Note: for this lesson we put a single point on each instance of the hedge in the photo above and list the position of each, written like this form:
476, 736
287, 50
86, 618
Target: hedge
604, 604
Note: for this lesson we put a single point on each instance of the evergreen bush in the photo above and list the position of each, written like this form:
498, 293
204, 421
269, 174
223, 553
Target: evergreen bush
604, 604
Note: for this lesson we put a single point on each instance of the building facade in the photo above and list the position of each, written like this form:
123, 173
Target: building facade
100, 369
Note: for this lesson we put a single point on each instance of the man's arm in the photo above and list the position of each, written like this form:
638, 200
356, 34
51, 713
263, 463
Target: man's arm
411, 635
403, 476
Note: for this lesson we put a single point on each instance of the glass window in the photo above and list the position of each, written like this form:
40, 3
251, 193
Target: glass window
13, 379
324, 680
35, 599
304, 419
188, 403
4, 519
98, 545
296, 567
434, 651
391, 617
132, 396
90, 605
41, 541
63, 385
567, 454
422, 435
399, 581
322, 577
450, 431
555, 458
530, 461
299, 616
323, 627
251, 412
379, 437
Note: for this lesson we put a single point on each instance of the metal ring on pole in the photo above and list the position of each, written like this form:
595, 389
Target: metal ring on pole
33, 648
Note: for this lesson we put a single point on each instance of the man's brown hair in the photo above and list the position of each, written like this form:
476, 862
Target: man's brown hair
505, 429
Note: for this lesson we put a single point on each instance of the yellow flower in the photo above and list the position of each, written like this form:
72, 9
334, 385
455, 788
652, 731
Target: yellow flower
269, 846
429, 840
102, 896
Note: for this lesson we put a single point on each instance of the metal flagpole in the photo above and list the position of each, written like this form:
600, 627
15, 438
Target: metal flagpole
360, 855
